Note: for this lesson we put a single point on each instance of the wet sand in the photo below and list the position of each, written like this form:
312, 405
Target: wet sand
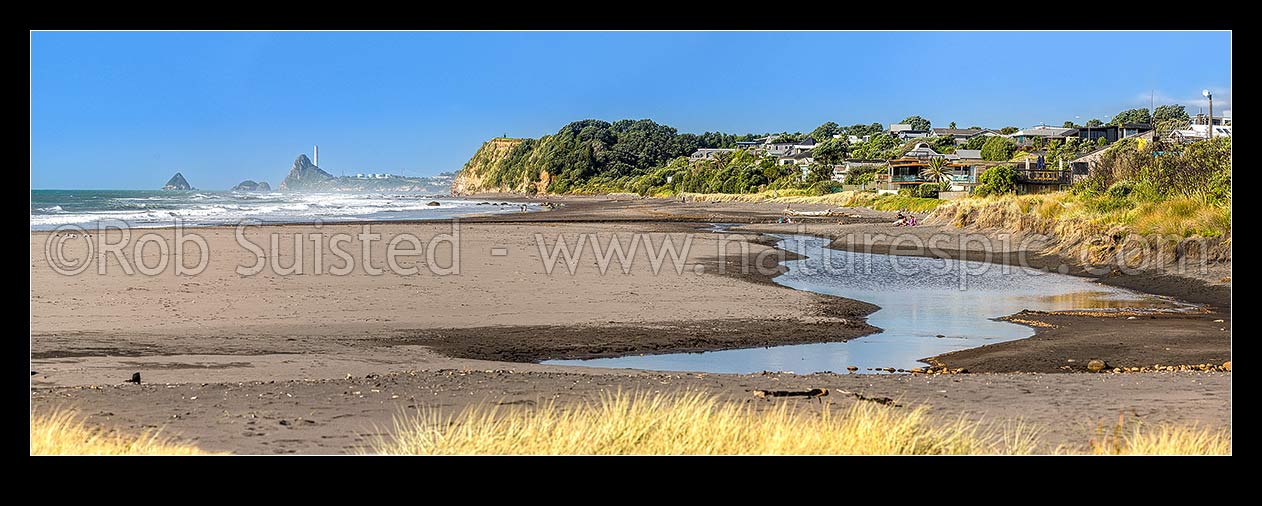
254, 344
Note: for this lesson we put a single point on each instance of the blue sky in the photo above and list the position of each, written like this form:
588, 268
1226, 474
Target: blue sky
127, 110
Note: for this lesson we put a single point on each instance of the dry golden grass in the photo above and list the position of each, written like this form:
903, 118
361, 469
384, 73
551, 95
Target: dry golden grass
63, 433
1101, 229
842, 199
1140, 439
684, 424
700, 424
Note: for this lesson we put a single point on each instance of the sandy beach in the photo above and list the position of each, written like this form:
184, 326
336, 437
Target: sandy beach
226, 356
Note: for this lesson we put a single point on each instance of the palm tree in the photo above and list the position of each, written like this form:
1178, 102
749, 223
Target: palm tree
937, 170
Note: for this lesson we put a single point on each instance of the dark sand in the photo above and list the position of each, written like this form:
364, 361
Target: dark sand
254, 351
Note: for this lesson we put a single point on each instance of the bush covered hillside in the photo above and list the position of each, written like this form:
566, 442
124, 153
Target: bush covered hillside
641, 156
580, 155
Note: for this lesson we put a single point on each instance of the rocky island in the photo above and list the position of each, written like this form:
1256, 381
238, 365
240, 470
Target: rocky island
306, 176
249, 185
177, 182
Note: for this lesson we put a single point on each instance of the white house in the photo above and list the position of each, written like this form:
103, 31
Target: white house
1200, 132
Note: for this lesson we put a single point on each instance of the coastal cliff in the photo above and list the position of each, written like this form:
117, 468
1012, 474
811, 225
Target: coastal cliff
586, 157
489, 171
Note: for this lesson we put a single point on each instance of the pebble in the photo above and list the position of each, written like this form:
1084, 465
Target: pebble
1096, 365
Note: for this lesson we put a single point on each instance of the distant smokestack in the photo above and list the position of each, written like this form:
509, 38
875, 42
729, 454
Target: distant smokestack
317, 155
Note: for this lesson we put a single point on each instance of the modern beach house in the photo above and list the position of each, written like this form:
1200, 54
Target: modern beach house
909, 169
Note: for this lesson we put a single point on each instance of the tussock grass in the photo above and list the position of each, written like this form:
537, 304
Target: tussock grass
842, 199
699, 424
1099, 228
64, 433
1139, 439
682, 424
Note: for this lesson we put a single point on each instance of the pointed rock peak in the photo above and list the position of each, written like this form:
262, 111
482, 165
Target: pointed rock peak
177, 182
304, 175
302, 162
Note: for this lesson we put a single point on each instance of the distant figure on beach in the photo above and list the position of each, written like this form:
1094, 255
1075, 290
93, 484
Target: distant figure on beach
902, 220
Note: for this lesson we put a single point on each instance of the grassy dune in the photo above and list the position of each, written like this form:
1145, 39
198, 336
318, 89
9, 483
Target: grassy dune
698, 424
1100, 228
64, 433
841, 199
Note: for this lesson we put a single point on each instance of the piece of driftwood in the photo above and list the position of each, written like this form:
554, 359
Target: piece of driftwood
821, 392
814, 392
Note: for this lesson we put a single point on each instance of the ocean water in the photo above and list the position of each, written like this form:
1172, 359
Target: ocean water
154, 208
928, 307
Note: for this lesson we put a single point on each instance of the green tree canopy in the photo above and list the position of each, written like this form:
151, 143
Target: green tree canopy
998, 148
825, 131
916, 122
819, 172
997, 180
879, 147
831, 152
1008, 130
976, 141
1170, 117
860, 130
1094, 123
952, 125
1138, 115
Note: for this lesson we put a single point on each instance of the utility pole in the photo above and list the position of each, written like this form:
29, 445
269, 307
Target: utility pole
1210, 96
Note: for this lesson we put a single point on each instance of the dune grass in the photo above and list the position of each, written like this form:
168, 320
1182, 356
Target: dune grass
64, 433
884, 202
1098, 228
684, 424
691, 423
1140, 439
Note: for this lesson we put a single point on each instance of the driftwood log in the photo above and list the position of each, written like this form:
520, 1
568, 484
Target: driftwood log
821, 392
814, 392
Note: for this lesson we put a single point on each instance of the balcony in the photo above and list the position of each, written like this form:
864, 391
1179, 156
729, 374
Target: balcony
1046, 176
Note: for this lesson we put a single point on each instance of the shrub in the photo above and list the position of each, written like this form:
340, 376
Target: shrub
997, 180
1121, 189
824, 188
998, 148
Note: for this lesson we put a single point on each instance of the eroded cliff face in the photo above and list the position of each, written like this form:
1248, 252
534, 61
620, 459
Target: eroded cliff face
487, 172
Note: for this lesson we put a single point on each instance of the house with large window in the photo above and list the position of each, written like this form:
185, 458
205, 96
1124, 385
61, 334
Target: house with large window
1042, 134
1112, 133
904, 131
960, 135
909, 170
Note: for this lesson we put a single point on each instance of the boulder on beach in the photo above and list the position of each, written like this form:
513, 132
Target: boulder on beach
1096, 365
177, 182
433, 203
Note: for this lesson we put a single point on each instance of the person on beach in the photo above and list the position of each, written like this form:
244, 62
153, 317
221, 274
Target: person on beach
902, 220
